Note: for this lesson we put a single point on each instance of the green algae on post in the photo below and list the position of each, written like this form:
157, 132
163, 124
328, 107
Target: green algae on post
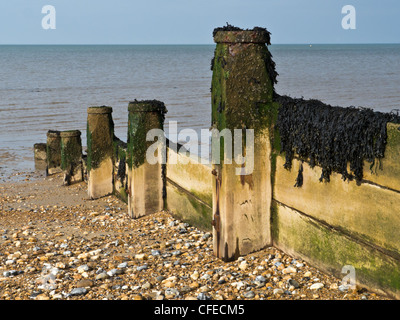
143, 116
242, 93
71, 156
53, 152
146, 181
100, 130
100, 154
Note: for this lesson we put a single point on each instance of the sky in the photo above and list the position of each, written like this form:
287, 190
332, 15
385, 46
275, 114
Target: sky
192, 22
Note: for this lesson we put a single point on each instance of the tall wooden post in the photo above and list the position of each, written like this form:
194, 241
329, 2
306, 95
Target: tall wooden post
145, 179
100, 151
242, 93
71, 156
53, 152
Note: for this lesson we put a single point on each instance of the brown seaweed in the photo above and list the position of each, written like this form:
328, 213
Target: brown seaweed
331, 136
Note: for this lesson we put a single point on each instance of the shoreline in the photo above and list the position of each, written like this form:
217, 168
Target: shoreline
56, 244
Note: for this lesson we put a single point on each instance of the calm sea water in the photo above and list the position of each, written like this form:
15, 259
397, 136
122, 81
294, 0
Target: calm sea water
50, 87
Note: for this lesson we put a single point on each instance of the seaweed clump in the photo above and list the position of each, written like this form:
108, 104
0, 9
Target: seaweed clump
228, 27
331, 137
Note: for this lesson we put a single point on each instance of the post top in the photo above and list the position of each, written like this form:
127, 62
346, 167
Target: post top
70, 133
147, 106
99, 110
53, 133
231, 34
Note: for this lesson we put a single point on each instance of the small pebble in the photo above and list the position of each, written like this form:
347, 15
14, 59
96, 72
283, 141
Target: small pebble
78, 292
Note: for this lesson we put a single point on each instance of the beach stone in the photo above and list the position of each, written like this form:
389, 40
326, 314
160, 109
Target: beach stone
289, 270
204, 289
42, 297
140, 256
317, 286
195, 275
293, 283
334, 286
260, 280
143, 267
171, 293
83, 268
102, 276
194, 285
206, 236
122, 265
114, 272
155, 252
11, 273
160, 278
243, 265
249, 295
239, 285
203, 296
85, 283
205, 276
173, 223
308, 274
168, 284
60, 265
78, 292
278, 291
172, 278
146, 286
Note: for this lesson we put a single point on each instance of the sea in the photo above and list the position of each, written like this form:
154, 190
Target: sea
50, 87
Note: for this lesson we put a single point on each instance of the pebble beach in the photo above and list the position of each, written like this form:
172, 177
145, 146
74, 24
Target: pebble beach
56, 244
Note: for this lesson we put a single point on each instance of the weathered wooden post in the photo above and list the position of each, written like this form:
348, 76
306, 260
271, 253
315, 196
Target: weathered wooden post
40, 156
100, 151
39, 150
71, 156
242, 101
53, 152
145, 178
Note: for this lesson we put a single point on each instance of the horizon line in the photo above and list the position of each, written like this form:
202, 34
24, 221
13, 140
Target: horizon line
185, 44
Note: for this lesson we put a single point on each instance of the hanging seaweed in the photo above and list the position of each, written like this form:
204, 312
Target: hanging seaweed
331, 137
299, 179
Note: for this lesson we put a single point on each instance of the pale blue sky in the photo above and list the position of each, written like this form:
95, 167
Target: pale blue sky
192, 22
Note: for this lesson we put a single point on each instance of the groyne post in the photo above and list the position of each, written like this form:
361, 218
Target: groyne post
146, 179
71, 156
100, 151
39, 150
242, 101
53, 152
